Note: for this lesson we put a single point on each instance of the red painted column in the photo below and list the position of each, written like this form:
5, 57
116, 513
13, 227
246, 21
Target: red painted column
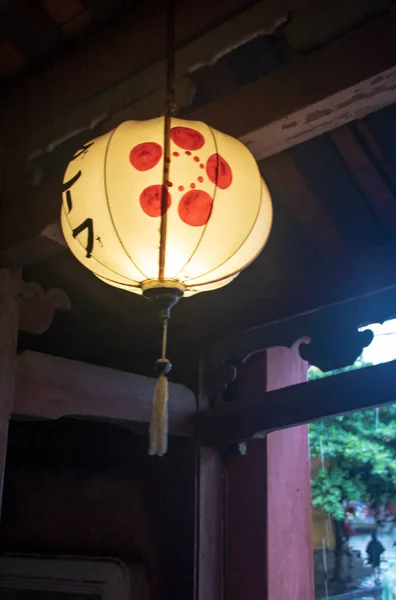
289, 514
268, 504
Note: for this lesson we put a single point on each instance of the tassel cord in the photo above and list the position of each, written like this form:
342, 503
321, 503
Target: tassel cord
159, 420
164, 338
158, 444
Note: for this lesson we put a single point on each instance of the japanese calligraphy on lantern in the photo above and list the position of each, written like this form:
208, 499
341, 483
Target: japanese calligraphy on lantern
119, 187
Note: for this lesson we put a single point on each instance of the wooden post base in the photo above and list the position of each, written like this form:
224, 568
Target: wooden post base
10, 287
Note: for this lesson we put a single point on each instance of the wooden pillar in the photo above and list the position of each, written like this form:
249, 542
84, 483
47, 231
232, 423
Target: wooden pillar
268, 503
289, 513
9, 315
209, 517
209, 526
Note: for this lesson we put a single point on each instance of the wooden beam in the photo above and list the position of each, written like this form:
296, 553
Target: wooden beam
231, 422
133, 67
368, 297
10, 285
342, 81
296, 193
111, 98
345, 80
48, 242
49, 387
369, 177
30, 220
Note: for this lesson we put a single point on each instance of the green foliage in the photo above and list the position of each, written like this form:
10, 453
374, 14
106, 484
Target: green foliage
315, 373
359, 454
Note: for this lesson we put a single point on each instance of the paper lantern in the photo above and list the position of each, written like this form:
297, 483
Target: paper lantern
218, 210
165, 208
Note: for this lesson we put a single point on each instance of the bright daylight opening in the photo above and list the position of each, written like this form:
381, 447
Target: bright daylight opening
353, 473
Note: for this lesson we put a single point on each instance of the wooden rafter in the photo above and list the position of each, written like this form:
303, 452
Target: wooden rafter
376, 190
345, 80
134, 65
296, 193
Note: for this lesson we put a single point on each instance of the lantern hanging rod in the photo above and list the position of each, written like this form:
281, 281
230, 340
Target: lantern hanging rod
170, 58
170, 107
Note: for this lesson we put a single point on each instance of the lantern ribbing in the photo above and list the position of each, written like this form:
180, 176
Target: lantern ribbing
165, 208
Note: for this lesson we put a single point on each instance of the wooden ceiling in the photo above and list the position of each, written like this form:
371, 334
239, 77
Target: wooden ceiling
334, 233
31, 30
334, 215
35, 31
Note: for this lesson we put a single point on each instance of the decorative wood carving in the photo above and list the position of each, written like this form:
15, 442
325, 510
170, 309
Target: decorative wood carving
328, 336
331, 349
220, 380
38, 307
230, 422
108, 579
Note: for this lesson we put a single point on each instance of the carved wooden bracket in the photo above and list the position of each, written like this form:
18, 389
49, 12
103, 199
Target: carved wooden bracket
38, 307
334, 350
219, 381
42, 245
328, 337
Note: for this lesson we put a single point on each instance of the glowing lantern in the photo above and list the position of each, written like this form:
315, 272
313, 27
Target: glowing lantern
210, 215
165, 208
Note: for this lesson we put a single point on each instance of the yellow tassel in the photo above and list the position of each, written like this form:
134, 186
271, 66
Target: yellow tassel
159, 418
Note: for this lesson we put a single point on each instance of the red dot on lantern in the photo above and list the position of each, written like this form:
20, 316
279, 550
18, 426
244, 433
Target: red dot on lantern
145, 156
181, 188
196, 158
192, 185
219, 171
176, 154
200, 179
188, 152
169, 183
151, 200
195, 208
201, 166
187, 138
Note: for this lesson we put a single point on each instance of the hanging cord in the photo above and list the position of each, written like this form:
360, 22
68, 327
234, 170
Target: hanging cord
159, 419
158, 444
170, 58
170, 108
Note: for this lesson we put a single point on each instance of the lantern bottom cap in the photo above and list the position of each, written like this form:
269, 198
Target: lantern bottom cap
155, 284
164, 294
